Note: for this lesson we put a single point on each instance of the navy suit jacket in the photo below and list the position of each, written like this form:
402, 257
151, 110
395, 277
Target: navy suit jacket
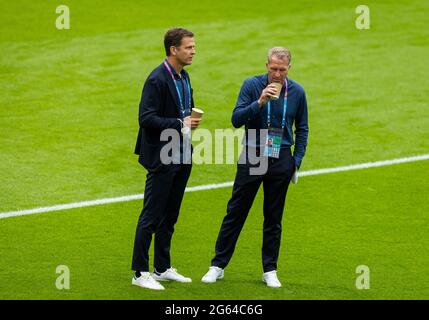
159, 109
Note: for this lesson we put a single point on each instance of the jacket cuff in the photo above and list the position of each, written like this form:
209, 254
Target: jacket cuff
297, 162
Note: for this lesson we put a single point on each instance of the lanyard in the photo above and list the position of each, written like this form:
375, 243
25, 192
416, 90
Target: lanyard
284, 108
182, 107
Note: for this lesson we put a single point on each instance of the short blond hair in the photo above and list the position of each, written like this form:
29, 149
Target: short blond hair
279, 52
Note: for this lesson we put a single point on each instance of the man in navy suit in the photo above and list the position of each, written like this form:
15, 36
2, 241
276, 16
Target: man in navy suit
166, 103
261, 108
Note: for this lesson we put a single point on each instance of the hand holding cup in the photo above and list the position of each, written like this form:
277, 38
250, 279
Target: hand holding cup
193, 121
271, 92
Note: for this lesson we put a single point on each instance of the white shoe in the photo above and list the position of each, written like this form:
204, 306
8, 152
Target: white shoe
171, 275
270, 278
146, 281
212, 275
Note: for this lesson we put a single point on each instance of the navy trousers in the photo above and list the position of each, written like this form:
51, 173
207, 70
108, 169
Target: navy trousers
275, 185
162, 199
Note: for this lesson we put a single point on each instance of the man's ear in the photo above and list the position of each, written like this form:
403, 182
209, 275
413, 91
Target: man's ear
173, 50
290, 66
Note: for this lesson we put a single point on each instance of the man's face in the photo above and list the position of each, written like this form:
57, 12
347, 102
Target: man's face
185, 52
277, 69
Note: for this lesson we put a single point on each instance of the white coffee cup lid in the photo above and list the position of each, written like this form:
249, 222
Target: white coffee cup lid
197, 110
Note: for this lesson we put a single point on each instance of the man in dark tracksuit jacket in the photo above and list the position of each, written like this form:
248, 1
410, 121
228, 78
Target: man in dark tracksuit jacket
257, 110
166, 103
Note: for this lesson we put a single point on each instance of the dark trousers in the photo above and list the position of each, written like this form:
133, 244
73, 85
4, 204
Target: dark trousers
275, 184
162, 199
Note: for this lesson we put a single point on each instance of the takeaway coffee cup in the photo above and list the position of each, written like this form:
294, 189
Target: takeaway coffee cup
197, 113
278, 87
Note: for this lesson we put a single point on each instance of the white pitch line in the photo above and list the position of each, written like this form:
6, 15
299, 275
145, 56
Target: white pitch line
207, 187
365, 165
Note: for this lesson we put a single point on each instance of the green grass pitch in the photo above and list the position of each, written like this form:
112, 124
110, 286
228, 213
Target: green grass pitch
68, 123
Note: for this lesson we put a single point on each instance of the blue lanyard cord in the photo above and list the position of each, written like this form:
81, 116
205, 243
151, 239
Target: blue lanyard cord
182, 106
284, 108
183, 109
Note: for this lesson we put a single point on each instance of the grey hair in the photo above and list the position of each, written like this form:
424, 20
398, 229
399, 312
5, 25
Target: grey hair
279, 52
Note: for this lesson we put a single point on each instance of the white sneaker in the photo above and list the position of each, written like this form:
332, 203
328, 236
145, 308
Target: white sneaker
270, 278
146, 281
212, 275
171, 275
